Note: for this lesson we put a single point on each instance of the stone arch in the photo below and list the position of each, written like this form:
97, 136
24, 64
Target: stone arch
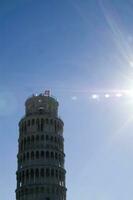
37, 138
37, 173
24, 142
52, 172
55, 126
22, 127
21, 159
47, 154
33, 122
21, 145
51, 138
47, 137
55, 139
42, 154
42, 124
28, 140
23, 175
60, 175
59, 157
27, 155
37, 154
56, 173
32, 174
47, 121
25, 126
56, 155
24, 157
32, 155
47, 172
42, 172
37, 124
28, 122
27, 175
52, 154
42, 137
32, 138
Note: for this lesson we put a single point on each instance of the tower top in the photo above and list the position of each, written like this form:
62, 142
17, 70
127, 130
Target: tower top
45, 93
44, 103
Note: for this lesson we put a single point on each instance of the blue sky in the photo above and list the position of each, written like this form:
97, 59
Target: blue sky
75, 48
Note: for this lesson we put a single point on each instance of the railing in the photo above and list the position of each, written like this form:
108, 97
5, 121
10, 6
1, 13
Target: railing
42, 94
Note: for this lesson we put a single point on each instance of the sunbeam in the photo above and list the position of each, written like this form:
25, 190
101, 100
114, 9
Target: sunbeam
118, 34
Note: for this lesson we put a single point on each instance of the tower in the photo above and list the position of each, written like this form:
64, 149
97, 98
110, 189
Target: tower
41, 173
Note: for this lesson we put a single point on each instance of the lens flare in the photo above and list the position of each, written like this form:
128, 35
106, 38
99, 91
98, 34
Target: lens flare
95, 96
107, 96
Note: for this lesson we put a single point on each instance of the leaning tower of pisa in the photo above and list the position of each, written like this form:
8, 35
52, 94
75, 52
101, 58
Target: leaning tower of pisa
40, 173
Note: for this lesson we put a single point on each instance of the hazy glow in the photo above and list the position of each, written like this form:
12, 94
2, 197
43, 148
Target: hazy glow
118, 95
131, 63
130, 93
8, 103
74, 98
